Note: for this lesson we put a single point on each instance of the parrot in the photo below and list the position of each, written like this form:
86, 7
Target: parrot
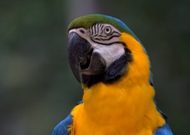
114, 71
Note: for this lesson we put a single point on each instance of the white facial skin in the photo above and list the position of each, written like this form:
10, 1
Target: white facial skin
105, 41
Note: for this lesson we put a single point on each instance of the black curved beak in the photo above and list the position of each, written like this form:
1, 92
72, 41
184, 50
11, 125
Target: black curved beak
83, 61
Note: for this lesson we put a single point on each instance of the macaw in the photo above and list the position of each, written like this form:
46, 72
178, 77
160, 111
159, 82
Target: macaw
113, 67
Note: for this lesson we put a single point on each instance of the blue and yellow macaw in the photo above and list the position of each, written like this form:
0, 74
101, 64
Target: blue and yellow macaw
114, 70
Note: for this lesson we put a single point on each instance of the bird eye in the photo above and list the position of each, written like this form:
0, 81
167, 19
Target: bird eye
107, 30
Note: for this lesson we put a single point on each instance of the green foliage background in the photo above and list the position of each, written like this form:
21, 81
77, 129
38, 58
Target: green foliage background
37, 88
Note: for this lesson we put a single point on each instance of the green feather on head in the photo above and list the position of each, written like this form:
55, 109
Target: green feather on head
91, 19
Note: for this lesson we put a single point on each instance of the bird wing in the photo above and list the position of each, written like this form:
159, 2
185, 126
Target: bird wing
62, 128
164, 130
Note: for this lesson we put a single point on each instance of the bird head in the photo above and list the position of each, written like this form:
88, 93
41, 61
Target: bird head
103, 49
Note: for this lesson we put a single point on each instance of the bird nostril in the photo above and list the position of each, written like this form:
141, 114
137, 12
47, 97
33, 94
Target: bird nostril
82, 31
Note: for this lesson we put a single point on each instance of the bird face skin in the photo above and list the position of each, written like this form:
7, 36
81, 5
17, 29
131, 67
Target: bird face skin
97, 53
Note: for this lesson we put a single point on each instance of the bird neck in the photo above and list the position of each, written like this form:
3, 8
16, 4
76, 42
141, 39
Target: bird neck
121, 107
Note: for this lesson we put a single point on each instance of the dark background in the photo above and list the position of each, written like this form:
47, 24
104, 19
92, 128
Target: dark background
37, 88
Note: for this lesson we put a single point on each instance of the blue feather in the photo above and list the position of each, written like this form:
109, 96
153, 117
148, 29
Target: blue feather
164, 130
123, 25
62, 127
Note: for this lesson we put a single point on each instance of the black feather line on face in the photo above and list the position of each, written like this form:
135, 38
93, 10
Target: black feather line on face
107, 43
98, 30
99, 39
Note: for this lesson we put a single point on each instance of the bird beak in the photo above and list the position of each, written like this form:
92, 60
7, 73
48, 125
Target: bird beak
83, 61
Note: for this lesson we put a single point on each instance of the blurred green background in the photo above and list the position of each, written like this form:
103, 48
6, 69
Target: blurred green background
37, 88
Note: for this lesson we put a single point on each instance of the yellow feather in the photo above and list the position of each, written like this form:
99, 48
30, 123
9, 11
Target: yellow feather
125, 107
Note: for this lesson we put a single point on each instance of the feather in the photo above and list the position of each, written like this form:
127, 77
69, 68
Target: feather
164, 130
62, 127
